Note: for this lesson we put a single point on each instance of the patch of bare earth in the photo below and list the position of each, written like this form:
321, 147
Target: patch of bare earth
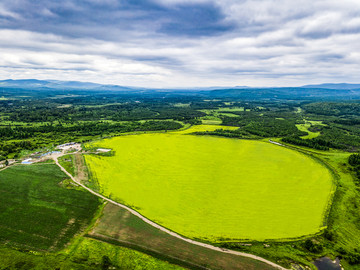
81, 171
118, 226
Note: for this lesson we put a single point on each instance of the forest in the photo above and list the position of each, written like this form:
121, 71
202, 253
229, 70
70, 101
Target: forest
33, 121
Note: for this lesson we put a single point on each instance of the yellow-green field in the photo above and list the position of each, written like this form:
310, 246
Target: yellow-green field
200, 128
225, 109
215, 188
305, 127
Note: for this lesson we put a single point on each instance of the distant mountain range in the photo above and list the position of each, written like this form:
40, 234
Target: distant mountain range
61, 85
306, 92
329, 91
33, 83
338, 86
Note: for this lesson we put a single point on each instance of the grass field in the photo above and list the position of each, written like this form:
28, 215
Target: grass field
213, 117
37, 211
225, 109
211, 120
215, 188
85, 254
120, 227
343, 220
93, 251
68, 162
201, 128
305, 127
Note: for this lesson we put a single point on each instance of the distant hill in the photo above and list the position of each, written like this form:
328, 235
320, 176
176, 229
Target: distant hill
61, 85
341, 91
338, 86
287, 93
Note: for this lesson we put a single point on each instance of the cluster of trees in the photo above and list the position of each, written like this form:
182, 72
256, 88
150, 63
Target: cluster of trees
347, 122
333, 108
263, 126
315, 143
41, 111
341, 136
313, 247
86, 129
7, 148
353, 258
228, 133
354, 161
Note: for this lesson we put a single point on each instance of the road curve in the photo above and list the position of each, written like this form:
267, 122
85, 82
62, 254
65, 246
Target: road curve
223, 250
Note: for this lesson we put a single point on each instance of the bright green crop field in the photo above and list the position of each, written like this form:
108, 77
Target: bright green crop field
215, 188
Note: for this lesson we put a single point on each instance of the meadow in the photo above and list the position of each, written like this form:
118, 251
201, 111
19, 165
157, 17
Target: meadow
36, 210
214, 188
84, 254
119, 227
106, 256
305, 127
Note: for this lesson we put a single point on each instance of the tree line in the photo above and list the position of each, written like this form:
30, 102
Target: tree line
37, 136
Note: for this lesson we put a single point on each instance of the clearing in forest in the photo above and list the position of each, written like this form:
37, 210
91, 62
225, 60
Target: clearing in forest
305, 127
215, 188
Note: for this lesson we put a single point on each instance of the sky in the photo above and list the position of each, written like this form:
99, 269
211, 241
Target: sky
181, 43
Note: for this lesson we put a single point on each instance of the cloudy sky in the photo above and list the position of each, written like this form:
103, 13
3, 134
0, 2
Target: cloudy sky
181, 43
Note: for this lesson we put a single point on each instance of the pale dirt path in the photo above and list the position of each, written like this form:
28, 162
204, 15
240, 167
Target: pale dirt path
2, 169
276, 143
223, 250
8, 166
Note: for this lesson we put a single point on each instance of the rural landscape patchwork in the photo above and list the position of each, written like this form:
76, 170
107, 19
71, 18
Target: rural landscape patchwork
215, 179
179, 134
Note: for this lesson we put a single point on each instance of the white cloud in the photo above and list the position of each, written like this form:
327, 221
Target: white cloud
273, 43
7, 13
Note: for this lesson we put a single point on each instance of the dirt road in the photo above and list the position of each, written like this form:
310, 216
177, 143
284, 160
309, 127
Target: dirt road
55, 157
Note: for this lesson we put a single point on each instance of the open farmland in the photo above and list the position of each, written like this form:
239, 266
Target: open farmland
37, 212
93, 252
119, 227
214, 188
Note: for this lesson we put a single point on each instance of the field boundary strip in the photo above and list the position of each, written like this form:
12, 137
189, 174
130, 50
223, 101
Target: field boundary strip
146, 250
155, 225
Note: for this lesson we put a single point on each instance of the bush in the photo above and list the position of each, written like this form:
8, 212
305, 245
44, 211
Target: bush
353, 258
354, 159
313, 247
329, 235
342, 251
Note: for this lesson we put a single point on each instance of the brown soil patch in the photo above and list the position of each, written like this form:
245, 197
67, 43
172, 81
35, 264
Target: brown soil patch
81, 170
119, 227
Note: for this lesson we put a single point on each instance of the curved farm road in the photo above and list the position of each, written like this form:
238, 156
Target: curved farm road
2, 169
55, 157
